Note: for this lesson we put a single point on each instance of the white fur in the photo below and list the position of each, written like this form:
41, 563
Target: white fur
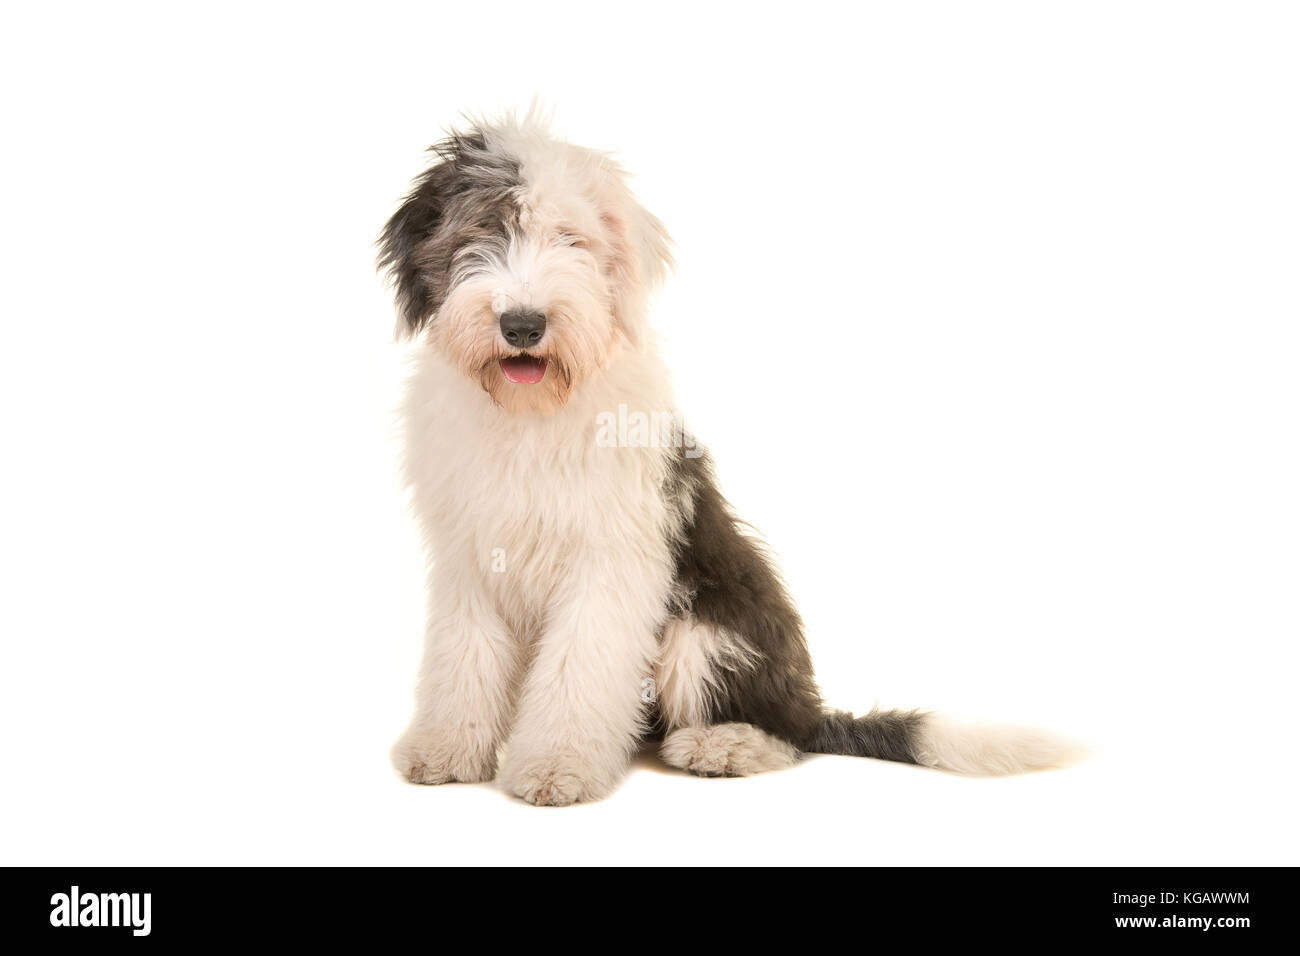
552, 562
691, 657
990, 749
559, 511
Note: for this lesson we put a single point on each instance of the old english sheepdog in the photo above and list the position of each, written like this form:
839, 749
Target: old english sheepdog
589, 585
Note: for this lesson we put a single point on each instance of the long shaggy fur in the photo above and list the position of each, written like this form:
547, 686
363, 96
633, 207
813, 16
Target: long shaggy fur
584, 593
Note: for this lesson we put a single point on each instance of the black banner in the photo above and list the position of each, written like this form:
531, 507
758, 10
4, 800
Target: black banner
432, 907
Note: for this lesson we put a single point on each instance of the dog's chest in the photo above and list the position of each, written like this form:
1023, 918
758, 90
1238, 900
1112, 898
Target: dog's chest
534, 498
536, 504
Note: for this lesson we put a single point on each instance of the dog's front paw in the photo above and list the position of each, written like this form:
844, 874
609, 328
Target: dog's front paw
431, 757
555, 780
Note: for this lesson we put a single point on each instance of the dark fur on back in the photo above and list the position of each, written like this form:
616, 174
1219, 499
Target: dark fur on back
727, 579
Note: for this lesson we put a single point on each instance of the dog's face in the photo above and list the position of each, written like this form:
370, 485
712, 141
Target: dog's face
525, 261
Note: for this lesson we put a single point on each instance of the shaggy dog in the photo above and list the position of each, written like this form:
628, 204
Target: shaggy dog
589, 585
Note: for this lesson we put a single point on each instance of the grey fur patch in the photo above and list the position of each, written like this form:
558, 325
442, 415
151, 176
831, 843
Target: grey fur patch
467, 199
884, 734
727, 579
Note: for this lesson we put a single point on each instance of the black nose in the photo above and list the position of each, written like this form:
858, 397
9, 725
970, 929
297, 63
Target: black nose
523, 329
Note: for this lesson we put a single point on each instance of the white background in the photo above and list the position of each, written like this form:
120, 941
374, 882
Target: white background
987, 311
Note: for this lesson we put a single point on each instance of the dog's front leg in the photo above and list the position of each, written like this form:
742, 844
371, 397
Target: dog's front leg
464, 697
584, 700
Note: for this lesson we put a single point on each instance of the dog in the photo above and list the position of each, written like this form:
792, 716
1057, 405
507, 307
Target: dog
589, 586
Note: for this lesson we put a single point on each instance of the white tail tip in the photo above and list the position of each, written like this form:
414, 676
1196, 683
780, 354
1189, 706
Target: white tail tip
991, 749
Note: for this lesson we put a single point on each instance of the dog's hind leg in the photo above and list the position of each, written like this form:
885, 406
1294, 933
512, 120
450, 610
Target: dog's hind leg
694, 662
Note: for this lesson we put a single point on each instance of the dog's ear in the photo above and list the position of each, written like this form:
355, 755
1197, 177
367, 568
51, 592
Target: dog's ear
404, 242
639, 256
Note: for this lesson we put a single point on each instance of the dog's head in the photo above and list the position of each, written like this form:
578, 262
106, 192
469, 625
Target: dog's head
524, 260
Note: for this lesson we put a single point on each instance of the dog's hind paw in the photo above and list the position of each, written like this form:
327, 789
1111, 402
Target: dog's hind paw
726, 750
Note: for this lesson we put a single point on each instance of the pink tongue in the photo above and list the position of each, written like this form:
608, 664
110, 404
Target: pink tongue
524, 369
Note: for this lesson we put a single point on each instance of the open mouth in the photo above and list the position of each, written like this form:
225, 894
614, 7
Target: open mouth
524, 369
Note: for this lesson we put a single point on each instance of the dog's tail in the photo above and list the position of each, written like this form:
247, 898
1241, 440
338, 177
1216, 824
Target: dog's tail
911, 736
